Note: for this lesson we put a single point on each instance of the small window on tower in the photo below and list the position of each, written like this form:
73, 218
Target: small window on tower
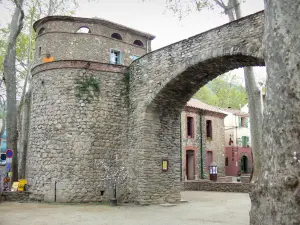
115, 57
116, 36
84, 30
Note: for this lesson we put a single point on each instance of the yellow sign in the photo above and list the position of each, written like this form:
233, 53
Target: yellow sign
165, 165
22, 184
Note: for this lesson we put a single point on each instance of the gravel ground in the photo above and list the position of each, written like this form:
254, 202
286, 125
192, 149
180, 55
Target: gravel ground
202, 208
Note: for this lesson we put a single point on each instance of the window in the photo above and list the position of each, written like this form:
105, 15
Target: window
208, 129
115, 57
41, 31
243, 121
226, 161
84, 30
190, 127
138, 43
40, 52
245, 141
116, 36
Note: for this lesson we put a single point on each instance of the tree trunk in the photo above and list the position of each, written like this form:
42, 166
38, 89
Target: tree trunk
9, 69
255, 113
255, 108
276, 197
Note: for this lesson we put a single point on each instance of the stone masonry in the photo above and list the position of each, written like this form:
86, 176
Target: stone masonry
133, 119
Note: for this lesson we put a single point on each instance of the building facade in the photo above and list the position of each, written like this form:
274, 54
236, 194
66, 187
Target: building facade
238, 154
202, 140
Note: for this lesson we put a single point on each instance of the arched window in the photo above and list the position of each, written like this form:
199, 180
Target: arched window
116, 36
138, 43
84, 30
41, 31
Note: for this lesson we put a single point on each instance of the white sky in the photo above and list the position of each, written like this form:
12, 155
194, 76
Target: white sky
150, 16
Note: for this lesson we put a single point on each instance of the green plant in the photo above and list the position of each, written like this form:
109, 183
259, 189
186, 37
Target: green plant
87, 87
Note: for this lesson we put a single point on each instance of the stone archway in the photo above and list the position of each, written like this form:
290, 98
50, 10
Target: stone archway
161, 83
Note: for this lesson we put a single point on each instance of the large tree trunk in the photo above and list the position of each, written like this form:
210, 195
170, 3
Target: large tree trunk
255, 106
276, 197
9, 69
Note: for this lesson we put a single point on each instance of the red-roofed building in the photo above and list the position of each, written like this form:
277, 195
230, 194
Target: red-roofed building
202, 140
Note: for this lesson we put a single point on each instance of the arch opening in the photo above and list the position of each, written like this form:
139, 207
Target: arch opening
181, 86
116, 36
138, 43
41, 31
84, 30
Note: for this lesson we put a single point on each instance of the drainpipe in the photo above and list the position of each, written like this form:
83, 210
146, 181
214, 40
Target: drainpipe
201, 146
180, 144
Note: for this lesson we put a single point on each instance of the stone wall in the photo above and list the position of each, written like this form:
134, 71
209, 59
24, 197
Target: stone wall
15, 196
72, 137
217, 186
93, 46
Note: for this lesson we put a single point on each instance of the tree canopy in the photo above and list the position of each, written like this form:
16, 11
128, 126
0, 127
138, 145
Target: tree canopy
224, 91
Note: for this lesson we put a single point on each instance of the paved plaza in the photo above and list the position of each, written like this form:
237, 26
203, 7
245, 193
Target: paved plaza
202, 208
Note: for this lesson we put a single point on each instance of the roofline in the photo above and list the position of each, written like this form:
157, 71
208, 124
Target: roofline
218, 112
90, 20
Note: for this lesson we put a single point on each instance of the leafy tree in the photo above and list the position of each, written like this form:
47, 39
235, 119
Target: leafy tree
222, 92
9, 69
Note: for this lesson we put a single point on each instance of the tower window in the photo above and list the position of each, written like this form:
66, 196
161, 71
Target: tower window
116, 36
41, 31
40, 52
208, 129
84, 30
115, 57
139, 43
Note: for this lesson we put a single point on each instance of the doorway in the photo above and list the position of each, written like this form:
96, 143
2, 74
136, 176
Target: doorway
209, 159
190, 164
244, 164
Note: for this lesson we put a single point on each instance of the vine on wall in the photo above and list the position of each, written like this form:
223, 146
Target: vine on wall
87, 88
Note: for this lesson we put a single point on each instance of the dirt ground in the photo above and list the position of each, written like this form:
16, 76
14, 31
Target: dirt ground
202, 208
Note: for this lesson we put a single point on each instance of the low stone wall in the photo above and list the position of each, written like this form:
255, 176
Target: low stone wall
15, 196
245, 179
217, 186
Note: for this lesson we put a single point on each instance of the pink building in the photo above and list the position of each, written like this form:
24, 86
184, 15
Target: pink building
238, 156
238, 159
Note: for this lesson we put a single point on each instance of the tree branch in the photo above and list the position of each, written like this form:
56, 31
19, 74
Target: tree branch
220, 3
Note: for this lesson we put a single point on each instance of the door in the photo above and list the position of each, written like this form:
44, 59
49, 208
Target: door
190, 164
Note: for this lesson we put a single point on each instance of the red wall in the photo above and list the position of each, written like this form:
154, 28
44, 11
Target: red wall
232, 169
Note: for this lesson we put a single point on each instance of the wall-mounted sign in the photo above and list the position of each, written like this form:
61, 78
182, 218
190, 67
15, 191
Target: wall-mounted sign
165, 165
9, 153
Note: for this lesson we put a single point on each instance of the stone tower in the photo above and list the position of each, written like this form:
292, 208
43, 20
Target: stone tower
79, 106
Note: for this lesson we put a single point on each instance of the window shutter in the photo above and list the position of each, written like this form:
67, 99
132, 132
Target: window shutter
247, 121
240, 121
120, 58
244, 141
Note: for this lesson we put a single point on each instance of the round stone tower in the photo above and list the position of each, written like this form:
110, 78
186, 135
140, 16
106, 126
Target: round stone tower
78, 123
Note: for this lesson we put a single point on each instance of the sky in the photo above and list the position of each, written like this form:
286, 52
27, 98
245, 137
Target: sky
152, 17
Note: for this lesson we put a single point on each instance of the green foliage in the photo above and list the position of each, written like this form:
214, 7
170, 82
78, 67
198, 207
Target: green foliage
221, 93
87, 88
